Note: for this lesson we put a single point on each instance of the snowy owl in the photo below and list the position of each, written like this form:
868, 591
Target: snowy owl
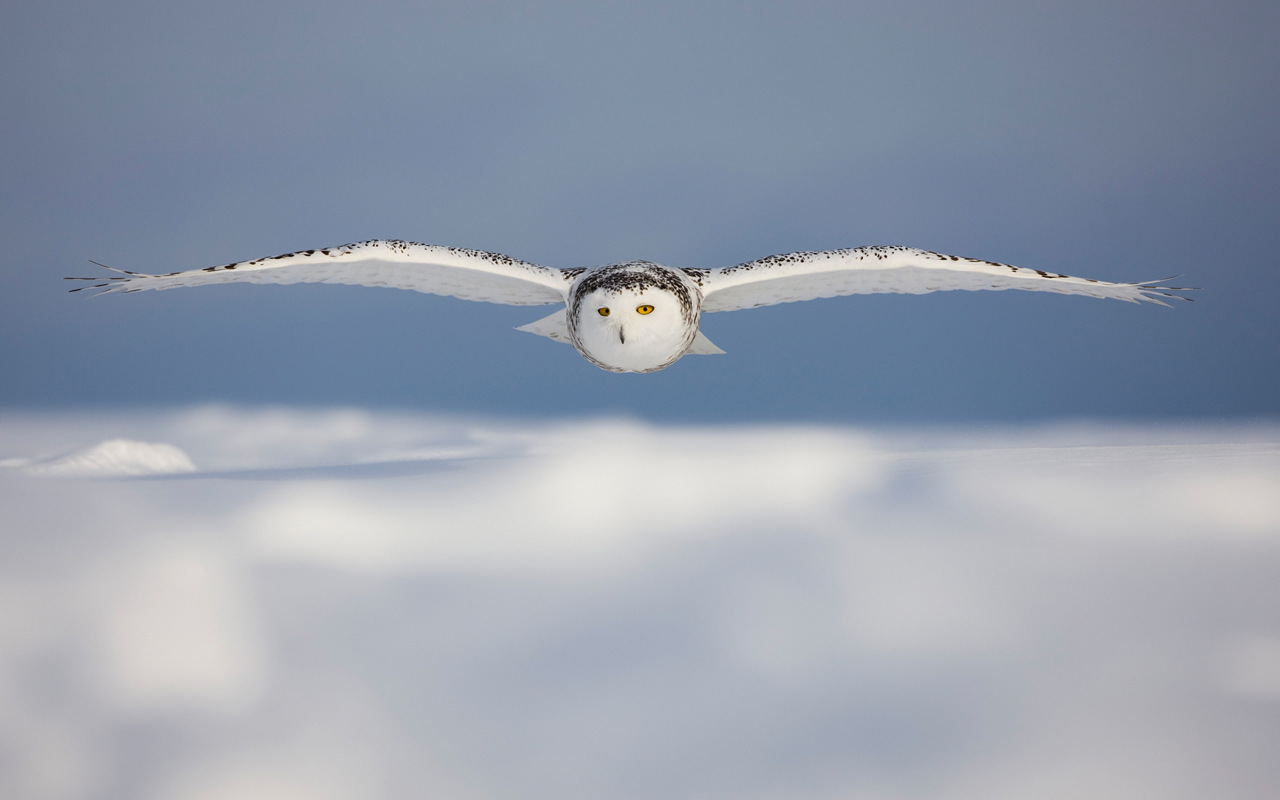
636, 316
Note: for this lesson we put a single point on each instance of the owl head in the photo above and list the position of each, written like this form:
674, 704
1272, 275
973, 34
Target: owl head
633, 317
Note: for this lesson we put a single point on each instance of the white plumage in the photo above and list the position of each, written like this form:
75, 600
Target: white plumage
604, 305
899, 270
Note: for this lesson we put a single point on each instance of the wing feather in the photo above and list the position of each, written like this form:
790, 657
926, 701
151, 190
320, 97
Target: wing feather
555, 327
450, 271
872, 270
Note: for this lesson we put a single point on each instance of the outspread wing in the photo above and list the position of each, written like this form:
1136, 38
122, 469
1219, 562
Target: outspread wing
906, 270
451, 271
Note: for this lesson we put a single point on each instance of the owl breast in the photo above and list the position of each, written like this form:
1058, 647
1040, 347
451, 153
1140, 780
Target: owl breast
633, 317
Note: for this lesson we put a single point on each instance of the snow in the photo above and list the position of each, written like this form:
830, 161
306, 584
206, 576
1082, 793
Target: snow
348, 604
114, 458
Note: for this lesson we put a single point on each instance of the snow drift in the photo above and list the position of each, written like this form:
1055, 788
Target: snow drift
112, 459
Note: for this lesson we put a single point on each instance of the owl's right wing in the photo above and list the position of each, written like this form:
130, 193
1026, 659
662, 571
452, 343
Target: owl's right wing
450, 271
873, 270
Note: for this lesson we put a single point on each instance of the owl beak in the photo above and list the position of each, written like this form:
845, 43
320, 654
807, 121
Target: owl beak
622, 334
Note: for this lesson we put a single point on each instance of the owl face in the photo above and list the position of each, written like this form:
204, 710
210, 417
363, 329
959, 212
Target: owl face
631, 324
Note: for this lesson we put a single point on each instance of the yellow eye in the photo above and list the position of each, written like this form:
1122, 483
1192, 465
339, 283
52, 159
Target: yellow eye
604, 312
644, 309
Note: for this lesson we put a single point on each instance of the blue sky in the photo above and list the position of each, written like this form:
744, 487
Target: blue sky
1120, 141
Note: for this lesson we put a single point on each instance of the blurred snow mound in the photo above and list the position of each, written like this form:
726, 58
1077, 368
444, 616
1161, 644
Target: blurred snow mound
580, 496
116, 457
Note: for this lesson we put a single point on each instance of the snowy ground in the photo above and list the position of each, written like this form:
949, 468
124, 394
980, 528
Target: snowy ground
226, 603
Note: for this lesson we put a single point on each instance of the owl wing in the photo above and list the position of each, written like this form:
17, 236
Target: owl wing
906, 270
450, 271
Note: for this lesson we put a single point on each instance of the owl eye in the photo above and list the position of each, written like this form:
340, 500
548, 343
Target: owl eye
644, 309
604, 312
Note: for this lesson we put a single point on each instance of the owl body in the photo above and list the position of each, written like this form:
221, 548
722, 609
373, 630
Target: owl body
633, 317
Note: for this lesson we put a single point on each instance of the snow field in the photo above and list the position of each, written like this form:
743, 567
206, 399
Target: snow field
277, 603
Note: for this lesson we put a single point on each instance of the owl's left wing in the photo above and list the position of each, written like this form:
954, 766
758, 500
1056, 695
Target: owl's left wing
873, 270
451, 271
